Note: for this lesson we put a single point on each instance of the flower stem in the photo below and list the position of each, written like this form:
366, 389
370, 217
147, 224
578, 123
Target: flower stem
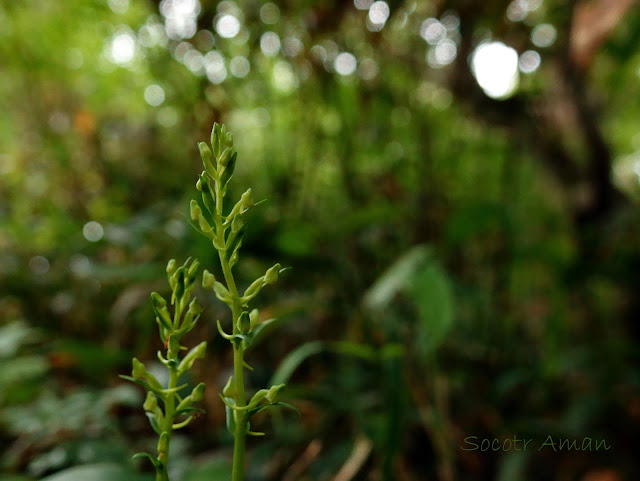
240, 433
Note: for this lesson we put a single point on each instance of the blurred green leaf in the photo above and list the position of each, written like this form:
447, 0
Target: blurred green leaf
395, 278
432, 293
13, 336
22, 370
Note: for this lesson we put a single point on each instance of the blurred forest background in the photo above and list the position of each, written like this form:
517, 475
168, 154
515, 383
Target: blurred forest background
455, 184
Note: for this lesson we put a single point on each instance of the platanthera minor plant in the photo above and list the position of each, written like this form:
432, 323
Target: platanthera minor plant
225, 228
176, 411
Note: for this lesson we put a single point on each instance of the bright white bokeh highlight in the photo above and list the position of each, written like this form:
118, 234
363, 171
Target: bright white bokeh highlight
123, 48
181, 17
345, 63
228, 26
270, 43
495, 66
378, 15
154, 95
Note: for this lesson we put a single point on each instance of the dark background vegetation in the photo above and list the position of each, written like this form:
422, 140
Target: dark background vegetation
462, 265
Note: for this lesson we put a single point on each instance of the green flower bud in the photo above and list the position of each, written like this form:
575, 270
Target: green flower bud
223, 160
160, 307
271, 277
203, 224
171, 267
254, 317
228, 139
198, 393
274, 393
138, 371
199, 185
244, 322
197, 352
258, 398
208, 280
158, 301
247, 199
205, 151
230, 388
151, 402
194, 307
195, 210
205, 154
216, 139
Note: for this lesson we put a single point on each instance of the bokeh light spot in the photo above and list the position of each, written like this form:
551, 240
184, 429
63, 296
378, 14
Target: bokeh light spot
379, 13
228, 26
269, 13
529, 61
495, 66
39, 265
93, 231
345, 63
154, 95
543, 35
239, 66
270, 43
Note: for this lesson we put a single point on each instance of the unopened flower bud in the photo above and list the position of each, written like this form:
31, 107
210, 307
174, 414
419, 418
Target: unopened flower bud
223, 160
254, 317
228, 139
208, 280
205, 151
151, 402
158, 301
194, 307
244, 322
247, 199
271, 276
274, 393
138, 371
198, 393
171, 267
195, 210
198, 352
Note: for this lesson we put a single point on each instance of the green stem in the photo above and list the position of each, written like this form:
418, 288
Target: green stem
169, 414
239, 443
